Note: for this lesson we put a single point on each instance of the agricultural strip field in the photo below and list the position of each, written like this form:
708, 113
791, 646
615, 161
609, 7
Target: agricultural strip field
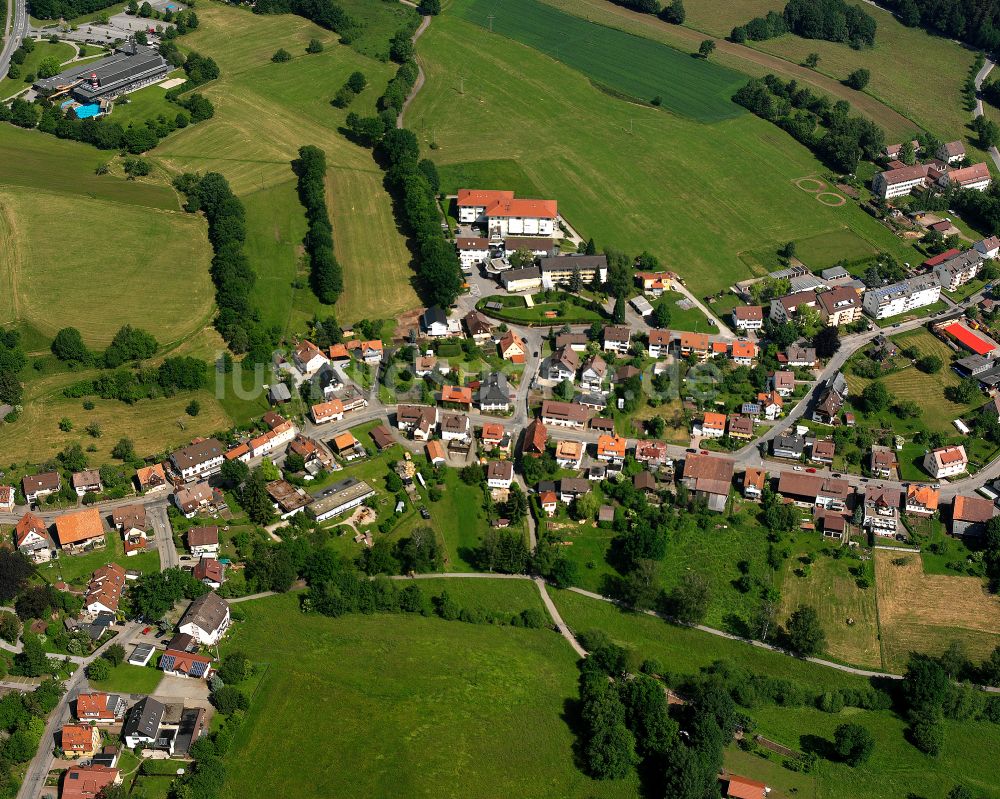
926, 612
410, 706
695, 195
635, 66
896, 768
157, 277
37, 160
264, 113
846, 612
738, 57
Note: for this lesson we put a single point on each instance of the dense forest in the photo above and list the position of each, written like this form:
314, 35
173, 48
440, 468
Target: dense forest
832, 20
976, 22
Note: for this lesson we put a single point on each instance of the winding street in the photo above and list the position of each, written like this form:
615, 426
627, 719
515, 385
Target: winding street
978, 112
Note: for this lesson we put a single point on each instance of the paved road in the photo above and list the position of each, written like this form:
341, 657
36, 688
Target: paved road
17, 24
978, 112
160, 522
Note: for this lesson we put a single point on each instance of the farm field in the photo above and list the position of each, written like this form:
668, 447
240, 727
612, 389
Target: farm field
37, 160
273, 109
636, 66
158, 278
926, 612
830, 588
750, 61
725, 188
413, 706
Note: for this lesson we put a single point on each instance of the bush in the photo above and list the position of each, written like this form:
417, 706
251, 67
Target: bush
281, 56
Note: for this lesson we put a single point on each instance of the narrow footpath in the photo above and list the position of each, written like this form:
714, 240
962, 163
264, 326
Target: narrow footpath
418, 84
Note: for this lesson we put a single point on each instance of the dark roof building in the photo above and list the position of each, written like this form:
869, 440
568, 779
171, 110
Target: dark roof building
130, 68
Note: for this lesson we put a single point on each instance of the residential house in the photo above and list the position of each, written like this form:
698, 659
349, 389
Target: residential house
472, 203
457, 395
308, 358
206, 619
572, 487
527, 278
494, 393
87, 482
434, 321
417, 420
709, 477
339, 355
989, 248
186, 664
922, 500
494, 437
372, 352
577, 341
592, 400
199, 459
549, 501
833, 494
651, 454
507, 216
658, 344
788, 445
900, 181
88, 782
540, 247
883, 461
512, 347
342, 496
840, 306
192, 499
203, 542
959, 269
316, 457
210, 572
783, 383
594, 374
617, 339
100, 708
128, 517
37, 486
696, 344
564, 414
7, 498
748, 317
500, 474
969, 516
822, 452
902, 297
743, 352
654, 283
535, 439
559, 271
783, 309
644, 481
799, 356
754, 481
771, 404
134, 541
972, 178
323, 412
569, 454
80, 740
735, 787
347, 446
272, 440
288, 500
81, 531
892, 151
713, 425
471, 251
479, 328
561, 365
831, 400
455, 427
31, 537
611, 449
740, 427
946, 462
425, 365
142, 725
881, 513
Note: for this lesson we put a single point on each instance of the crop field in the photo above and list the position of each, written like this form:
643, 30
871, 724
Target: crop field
631, 177
411, 706
846, 612
157, 277
926, 612
37, 160
264, 113
635, 66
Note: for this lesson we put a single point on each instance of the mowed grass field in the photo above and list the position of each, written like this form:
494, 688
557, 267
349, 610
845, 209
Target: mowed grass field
96, 265
926, 612
390, 706
696, 195
896, 769
636, 66
264, 113
834, 592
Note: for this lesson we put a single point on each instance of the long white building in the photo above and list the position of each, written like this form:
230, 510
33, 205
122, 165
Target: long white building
902, 297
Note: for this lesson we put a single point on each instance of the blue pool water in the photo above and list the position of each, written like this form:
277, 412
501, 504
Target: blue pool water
85, 111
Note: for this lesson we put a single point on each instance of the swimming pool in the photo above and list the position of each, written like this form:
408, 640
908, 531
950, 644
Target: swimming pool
86, 111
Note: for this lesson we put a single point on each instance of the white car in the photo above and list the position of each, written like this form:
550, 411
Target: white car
796, 468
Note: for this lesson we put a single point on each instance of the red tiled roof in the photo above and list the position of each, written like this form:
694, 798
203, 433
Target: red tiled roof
967, 338
480, 198
540, 209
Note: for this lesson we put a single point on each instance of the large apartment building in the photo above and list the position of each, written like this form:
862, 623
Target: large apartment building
907, 295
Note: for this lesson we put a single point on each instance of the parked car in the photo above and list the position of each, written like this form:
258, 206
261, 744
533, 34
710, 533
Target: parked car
811, 470
146, 630
796, 468
424, 513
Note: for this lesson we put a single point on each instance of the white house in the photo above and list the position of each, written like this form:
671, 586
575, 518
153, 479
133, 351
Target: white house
595, 372
435, 322
617, 339
559, 271
472, 251
748, 317
959, 269
500, 474
946, 461
471, 203
31, 537
951, 152
907, 295
455, 427
206, 619
975, 177
308, 358
203, 542
900, 182
199, 459
518, 217
142, 727
785, 308
988, 248
659, 343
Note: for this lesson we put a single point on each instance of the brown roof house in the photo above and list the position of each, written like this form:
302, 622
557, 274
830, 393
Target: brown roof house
81, 531
969, 516
709, 476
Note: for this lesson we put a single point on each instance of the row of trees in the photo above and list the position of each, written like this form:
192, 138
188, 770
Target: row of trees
131, 385
325, 275
12, 362
833, 20
353, 86
238, 320
845, 140
325, 13
976, 22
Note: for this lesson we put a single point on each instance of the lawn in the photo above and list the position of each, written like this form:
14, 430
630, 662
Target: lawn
926, 612
147, 103
691, 319
587, 545
618, 170
488, 173
816, 252
507, 596
828, 586
412, 706
634, 66
43, 50
77, 569
459, 518
126, 679
157, 277
264, 113
37, 160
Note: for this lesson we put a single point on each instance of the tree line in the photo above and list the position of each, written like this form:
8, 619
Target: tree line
672, 12
845, 140
325, 274
131, 385
12, 363
975, 22
832, 20
238, 320
325, 13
